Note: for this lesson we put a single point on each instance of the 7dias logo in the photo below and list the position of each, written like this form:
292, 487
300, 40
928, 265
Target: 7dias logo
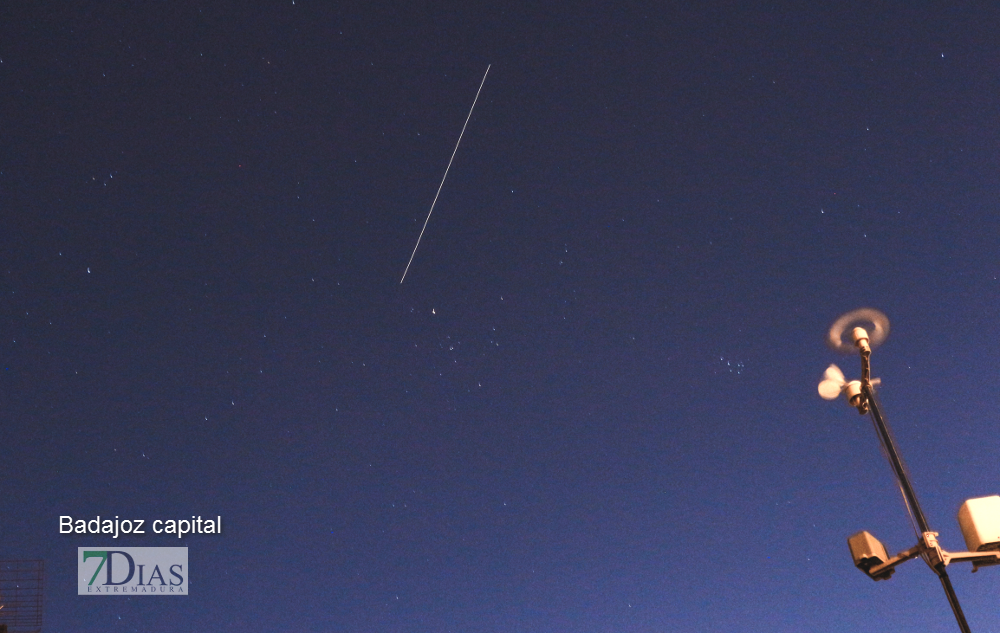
132, 571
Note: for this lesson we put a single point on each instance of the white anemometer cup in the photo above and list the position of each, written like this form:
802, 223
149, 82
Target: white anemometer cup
834, 384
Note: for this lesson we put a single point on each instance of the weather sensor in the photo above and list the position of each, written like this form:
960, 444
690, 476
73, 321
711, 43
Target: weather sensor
978, 518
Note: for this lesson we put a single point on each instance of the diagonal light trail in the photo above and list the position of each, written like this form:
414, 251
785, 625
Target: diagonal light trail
445, 173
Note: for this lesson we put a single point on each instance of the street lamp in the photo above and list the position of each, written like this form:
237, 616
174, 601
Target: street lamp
979, 519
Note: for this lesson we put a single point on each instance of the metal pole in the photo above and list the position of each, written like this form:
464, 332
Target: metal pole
895, 460
911, 497
953, 600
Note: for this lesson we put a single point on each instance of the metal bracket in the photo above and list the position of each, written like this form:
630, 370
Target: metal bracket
936, 558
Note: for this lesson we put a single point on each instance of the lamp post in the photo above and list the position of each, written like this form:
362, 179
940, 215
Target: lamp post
978, 518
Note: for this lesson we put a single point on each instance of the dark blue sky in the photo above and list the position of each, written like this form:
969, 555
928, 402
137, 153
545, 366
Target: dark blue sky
592, 405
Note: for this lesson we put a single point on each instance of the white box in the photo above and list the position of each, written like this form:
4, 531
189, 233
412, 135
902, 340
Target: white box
980, 523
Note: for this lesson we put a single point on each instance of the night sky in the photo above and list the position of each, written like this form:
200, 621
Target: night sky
592, 405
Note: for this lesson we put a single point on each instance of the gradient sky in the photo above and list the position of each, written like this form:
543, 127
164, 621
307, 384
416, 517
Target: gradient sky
592, 405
